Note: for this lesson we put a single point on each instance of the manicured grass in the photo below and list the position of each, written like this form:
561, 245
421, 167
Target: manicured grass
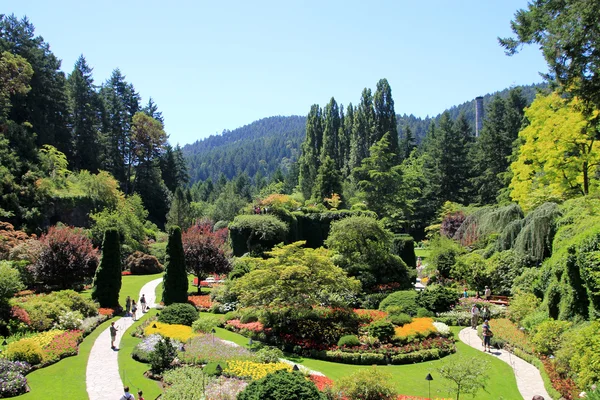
410, 379
132, 371
65, 379
423, 253
132, 284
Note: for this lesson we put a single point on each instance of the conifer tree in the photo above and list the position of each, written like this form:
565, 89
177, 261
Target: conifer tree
175, 283
407, 144
180, 213
84, 106
328, 180
361, 130
107, 281
345, 138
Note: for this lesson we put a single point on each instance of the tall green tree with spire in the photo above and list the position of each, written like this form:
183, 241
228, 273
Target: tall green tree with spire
332, 124
384, 115
328, 181
309, 161
362, 129
85, 108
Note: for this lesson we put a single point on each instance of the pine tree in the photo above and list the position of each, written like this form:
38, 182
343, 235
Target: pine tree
180, 213
84, 105
407, 144
151, 110
345, 138
385, 116
107, 281
380, 179
175, 282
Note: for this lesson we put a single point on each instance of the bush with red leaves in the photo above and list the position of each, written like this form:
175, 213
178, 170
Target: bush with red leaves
9, 238
451, 223
67, 260
205, 251
140, 263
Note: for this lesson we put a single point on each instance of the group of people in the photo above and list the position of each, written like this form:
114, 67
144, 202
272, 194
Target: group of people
131, 306
258, 210
130, 311
487, 294
485, 328
129, 396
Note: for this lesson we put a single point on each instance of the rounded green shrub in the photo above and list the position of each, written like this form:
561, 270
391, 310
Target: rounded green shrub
282, 385
207, 323
437, 298
369, 384
179, 313
405, 299
400, 319
247, 317
348, 341
382, 330
423, 312
269, 355
548, 336
26, 350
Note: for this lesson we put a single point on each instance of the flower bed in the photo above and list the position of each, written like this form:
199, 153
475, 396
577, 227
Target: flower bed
12, 378
44, 348
237, 325
206, 348
425, 350
182, 333
202, 303
253, 370
368, 316
418, 328
321, 382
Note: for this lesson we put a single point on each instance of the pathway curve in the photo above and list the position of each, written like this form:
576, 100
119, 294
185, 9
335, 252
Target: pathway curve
102, 374
529, 380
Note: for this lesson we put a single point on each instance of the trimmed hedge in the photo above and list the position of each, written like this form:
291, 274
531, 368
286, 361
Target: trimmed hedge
381, 359
404, 247
256, 233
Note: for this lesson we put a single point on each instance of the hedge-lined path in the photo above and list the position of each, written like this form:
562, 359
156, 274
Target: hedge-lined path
529, 380
102, 374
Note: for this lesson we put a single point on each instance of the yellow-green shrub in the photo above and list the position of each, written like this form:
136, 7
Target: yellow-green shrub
182, 333
27, 350
254, 370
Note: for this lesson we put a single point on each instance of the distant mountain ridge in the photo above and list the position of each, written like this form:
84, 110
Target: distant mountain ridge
274, 142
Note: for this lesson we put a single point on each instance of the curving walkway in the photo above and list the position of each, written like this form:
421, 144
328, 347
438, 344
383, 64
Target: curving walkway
529, 380
102, 374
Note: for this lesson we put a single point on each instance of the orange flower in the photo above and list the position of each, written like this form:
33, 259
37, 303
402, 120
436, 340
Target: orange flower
418, 327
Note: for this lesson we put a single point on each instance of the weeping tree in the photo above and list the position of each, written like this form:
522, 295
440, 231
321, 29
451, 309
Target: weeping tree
486, 221
537, 233
107, 281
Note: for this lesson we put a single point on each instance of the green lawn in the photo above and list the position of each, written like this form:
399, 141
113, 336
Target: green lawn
65, 379
423, 253
132, 372
132, 284
410, 379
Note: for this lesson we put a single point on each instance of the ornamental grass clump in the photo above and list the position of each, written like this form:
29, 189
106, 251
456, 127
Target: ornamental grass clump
206, 348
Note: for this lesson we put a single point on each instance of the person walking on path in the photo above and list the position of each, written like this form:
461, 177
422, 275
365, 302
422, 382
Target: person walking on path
133, 309
487, 336
113, 335
485, 313
143, 303
140, 397
474, 316
488, 293
127, 306
127, 395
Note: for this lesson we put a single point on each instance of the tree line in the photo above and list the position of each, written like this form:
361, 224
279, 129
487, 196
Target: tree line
96, 127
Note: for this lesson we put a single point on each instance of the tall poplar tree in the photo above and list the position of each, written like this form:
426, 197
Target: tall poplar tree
362, 129
309, 162
384, 115
332, 123
328, 180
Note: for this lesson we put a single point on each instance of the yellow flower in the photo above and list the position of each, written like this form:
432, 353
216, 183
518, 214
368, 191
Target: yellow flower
182, 333
254, 370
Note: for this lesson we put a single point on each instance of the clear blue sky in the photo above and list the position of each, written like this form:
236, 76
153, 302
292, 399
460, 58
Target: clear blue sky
222, 64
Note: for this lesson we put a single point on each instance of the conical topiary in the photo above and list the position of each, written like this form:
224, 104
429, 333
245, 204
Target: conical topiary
107, 281
175, 282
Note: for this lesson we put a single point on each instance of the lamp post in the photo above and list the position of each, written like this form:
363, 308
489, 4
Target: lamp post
219, 370
213, 334
429, 378
295, 369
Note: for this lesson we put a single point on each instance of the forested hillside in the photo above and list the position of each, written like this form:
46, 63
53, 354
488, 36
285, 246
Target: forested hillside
274, 142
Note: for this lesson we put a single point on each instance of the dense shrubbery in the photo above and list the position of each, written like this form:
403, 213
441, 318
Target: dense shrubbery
182, 314
282, 385
12, 377
437, 298
256, 233
370, 384
405, 300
